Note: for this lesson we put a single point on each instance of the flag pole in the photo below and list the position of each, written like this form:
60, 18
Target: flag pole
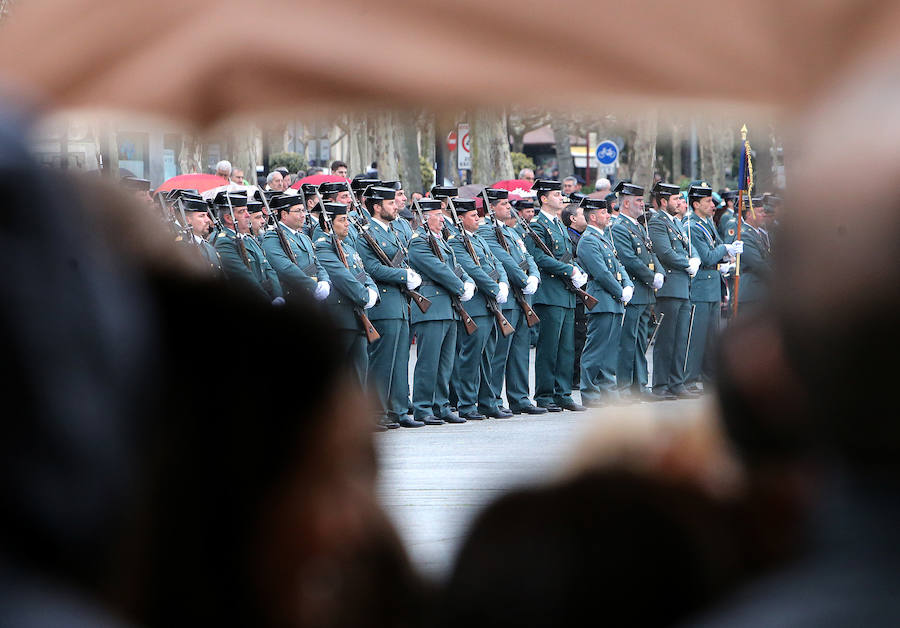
746, 176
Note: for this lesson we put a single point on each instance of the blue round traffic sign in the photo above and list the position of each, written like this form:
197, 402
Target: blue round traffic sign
607, 152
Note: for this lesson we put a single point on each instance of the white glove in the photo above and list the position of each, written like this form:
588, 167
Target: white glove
725, 269
658, 280
323, 289
373, 297
468, 291
579, 278
531, 284
693, 266
413, 279
504, 292
627, 293
735, 248
278, 301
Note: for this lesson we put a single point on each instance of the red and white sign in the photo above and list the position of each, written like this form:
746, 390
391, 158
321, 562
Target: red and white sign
451, 141
464, 155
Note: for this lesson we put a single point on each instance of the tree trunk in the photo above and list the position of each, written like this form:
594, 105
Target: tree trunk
190, 155
716, 146
445, 123
407, 145
243, 149
490, 147
385, 149
560, 126
643, 151
677, 168
358, 135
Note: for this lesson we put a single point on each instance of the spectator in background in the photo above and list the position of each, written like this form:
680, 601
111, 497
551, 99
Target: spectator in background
223, 169
237, 176
275, 181
601, 188
568, 186
289, 180
527, 174
339, 168
573, 219
579, 183
300, 174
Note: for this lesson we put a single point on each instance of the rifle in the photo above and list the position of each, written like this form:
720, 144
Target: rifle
584, 297
659, 321
371, 334
238, 236
455, 302
490, 302
362, 225
166, 215
531, 319
188, 227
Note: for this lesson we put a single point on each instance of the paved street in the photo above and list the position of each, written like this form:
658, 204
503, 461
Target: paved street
434, 480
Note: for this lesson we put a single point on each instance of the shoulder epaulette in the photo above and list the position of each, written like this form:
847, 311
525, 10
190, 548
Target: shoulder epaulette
415, 235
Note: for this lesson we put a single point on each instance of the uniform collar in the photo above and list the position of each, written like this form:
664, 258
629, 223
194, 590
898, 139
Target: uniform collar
383, 225
597, 229
549, 217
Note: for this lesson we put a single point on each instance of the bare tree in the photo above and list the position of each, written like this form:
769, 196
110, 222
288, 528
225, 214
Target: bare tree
407, 149
384, 147
522, 120
642, 159
190, 154
561, 129
490, 147
243, 148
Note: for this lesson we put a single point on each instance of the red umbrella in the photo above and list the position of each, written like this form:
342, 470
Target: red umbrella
199, 182
316, 179
518, 188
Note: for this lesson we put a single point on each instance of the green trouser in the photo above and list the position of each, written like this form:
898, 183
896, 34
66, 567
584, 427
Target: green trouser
435, 351
701, 353
631, 366
353, 348
472, 368
554, 355
507, 361
389, 365
671, 343
598, 360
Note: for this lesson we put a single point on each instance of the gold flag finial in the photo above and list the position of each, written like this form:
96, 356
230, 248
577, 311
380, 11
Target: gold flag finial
744, 132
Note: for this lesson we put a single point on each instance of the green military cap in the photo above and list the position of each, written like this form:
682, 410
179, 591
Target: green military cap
284, 201
464, 205
429, 204
593, 203
523, 203
335, 209
332, 187
495, 194
379, 193
237, 199
442, 191
194, 204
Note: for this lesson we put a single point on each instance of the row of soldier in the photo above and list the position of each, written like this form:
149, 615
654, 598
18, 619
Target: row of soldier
468, 286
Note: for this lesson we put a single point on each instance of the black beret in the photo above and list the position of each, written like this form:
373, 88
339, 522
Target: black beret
524, 203
361, 183
381, 194
194, 204
332, 187
699, 191
428, 204
593, 203
254, 206
463, 205
394, 185
286, 200
545, 185
630, 189
495, 194
335, 209
133, 183
237, 200
665, 189
441, 191
309, 189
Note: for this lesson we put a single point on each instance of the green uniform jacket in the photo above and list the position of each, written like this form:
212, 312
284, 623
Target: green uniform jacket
706, 286
551, 290
755, 265
293, 279
440, 278
483, 273
728, 227
518, 264
635, 251
349, 283
259, 278
207, 253
389, 280
607, 275
671, 250
403, 229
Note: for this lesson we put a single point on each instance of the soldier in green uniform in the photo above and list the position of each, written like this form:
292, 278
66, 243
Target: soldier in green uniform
253, 271
613, 289
306, 276
435, 331
525, 208
333, 192
257, 219
198, 223
553, 303
442, 193
706, 286
635, 251
313, 209
727, 223
509, 354
756, 263
389, 355
352, 289
672, 300
472, 369
402, 225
